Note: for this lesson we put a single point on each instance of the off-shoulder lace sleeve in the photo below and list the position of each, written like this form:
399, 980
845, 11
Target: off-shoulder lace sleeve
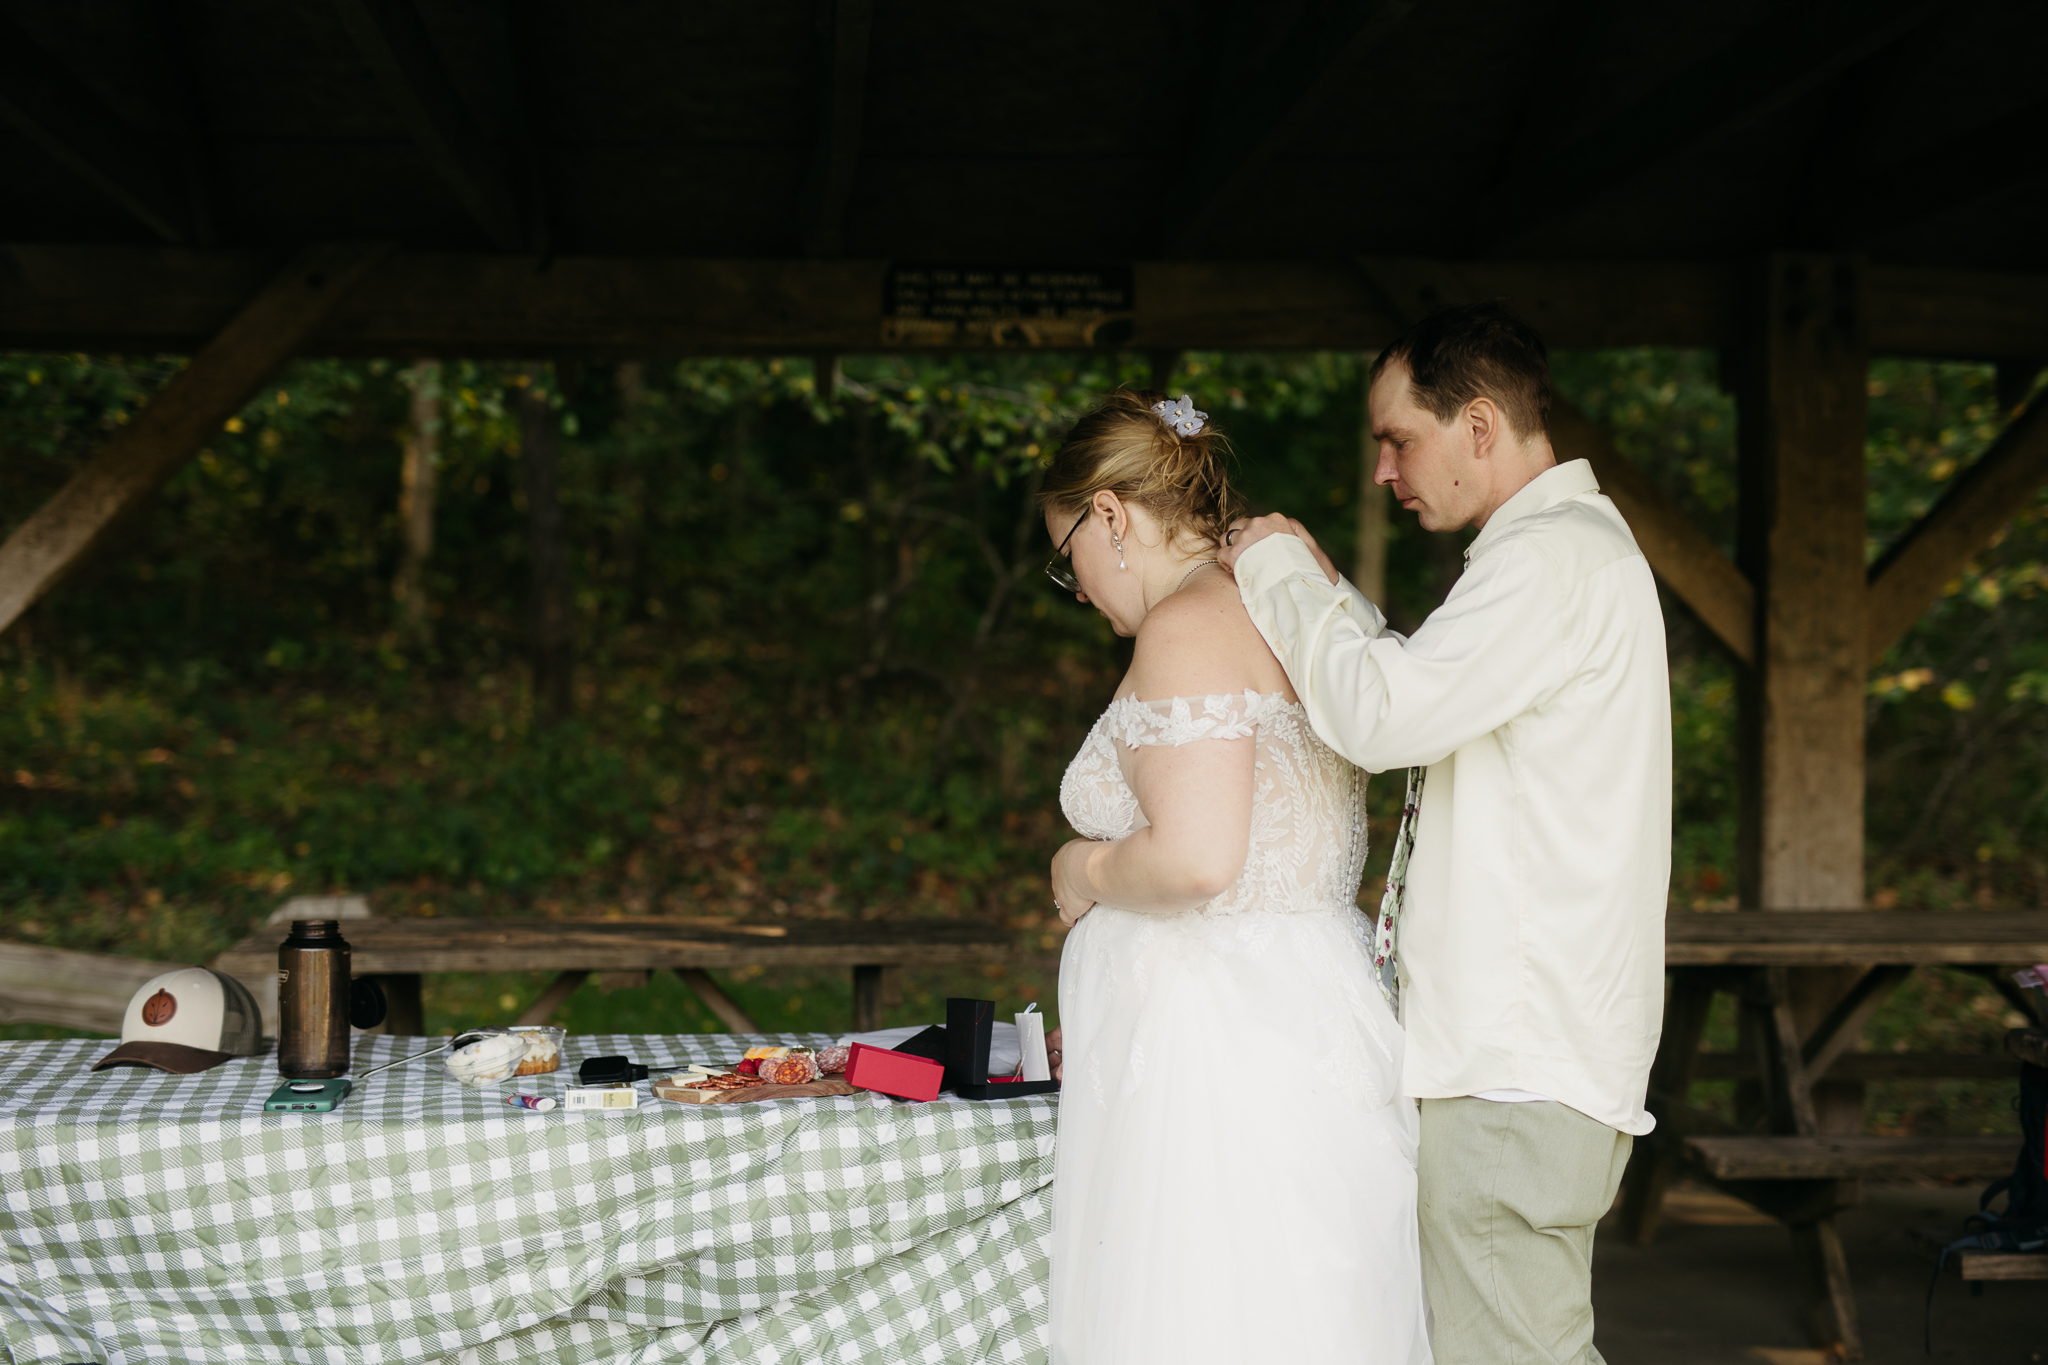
1182, 720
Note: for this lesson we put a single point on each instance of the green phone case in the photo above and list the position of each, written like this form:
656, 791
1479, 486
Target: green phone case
315, 1097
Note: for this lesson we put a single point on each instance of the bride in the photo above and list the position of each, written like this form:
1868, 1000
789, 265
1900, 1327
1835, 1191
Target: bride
1236, 1170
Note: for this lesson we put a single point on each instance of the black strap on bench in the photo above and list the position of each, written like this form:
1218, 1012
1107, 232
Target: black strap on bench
2023, 1226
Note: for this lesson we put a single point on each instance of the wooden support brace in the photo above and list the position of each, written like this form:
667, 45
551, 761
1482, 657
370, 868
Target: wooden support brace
1690, 564
170, 430
716, 1000
1910, 575
553, 998
1844, 1023
1784, 1065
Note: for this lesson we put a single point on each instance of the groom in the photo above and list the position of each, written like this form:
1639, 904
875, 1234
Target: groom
1531, 941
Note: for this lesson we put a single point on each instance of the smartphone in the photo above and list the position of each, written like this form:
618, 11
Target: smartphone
308, 1096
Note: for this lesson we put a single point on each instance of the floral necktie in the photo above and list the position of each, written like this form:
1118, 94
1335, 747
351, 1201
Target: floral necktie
1386, 933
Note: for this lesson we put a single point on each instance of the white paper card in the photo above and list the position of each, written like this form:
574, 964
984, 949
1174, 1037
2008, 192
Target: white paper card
1031, 1038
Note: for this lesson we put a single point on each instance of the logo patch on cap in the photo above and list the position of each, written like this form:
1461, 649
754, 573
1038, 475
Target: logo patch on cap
158, 1009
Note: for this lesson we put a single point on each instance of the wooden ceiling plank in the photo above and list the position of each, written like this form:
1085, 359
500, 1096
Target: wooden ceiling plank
73, 125
1764, 68
1910, 575
1681, 554
1243, 133
176, 422
839, 127
394, 42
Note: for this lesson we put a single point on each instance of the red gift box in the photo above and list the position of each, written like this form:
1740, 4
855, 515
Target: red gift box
894, 1073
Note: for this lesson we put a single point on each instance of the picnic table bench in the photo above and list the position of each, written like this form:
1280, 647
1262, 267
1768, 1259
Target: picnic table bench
623, 952
1784, 1165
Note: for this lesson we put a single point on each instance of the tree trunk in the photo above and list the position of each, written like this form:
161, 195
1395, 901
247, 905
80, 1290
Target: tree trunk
416, 505
1370, 573
633, 488
554, 638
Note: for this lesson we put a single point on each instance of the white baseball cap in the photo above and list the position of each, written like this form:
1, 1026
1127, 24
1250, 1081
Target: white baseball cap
187, 1021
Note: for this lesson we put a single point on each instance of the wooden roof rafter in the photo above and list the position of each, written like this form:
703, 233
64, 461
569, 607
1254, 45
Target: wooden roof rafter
75, 127
849, 30
1240, 137
1974, 164
394, 42
1762, 69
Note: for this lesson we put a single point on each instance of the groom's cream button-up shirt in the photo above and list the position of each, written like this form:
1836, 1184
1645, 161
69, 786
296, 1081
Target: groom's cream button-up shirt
1532, 940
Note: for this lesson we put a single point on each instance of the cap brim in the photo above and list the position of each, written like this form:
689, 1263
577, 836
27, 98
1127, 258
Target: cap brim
175, 1058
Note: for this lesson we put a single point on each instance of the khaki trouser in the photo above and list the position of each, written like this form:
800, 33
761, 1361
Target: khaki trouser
1508, 1196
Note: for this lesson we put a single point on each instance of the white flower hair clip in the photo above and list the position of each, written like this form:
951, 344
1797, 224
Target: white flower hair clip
1181, 416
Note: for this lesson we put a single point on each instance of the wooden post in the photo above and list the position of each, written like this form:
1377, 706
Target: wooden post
554, 639
405, 1014
222, 377
874, 991
1801, 391
416, 504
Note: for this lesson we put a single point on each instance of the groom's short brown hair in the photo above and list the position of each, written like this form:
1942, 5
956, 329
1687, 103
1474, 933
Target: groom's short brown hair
1474, 350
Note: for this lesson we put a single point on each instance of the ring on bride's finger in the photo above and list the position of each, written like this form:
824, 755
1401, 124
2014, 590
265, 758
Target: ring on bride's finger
1230, 536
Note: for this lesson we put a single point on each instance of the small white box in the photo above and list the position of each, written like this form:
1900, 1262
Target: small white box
593, 1097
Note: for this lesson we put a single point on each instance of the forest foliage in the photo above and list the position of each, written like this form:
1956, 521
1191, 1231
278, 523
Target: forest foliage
818, 670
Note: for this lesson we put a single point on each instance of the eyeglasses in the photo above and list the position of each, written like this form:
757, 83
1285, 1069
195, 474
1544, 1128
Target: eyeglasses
1060, 573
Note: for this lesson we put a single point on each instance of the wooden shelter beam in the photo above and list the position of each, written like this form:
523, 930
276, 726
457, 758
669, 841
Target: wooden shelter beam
76, 128
166, 433
1909, 576
393, 41
133, 298
1689, 563
1770, 64
1243, 133
839, 126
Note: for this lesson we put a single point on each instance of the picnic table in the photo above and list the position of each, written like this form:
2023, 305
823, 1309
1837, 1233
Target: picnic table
153, 1217
1786, 1166
624, 951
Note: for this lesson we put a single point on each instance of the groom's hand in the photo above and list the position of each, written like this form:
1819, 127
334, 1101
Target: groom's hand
1243, 534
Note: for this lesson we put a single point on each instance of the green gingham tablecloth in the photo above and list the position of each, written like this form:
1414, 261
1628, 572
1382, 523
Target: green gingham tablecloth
147, 1217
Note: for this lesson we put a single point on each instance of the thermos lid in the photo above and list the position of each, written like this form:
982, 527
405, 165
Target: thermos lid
316, 928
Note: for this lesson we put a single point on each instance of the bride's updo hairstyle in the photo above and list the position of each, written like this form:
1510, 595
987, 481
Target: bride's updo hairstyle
1127, 448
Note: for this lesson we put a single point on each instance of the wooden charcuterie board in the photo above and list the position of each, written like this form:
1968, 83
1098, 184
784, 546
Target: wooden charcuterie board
824, 1085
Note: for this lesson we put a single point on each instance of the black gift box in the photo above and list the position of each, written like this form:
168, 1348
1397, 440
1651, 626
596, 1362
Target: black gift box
970, 1027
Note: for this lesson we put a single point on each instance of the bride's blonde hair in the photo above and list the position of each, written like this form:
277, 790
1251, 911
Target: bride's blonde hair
1123, 446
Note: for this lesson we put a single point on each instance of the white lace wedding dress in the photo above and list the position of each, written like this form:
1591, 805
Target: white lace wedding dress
1236, 1176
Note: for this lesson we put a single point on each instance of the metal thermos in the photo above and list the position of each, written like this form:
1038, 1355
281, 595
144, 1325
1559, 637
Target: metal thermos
313, 1001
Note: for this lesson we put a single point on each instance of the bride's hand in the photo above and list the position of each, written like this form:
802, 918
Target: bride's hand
1070, 881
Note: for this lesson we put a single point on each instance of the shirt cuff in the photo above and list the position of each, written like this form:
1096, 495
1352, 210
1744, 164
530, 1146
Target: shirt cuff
1270, 562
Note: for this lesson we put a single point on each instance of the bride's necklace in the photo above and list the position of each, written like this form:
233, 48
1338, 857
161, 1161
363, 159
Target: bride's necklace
1189, 574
